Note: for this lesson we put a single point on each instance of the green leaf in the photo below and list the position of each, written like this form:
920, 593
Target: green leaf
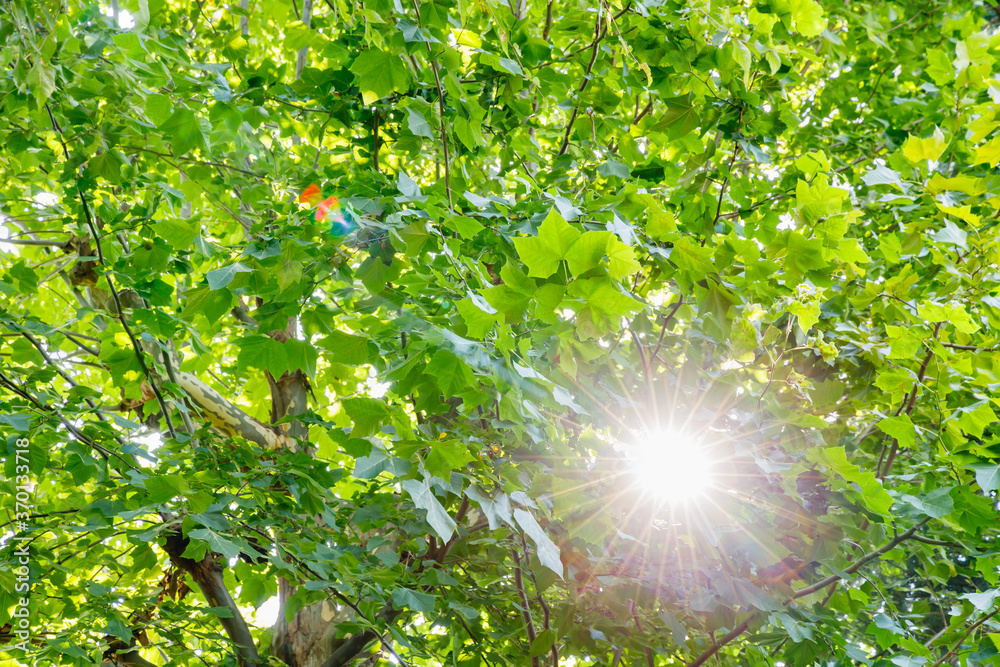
213, 304
424, 498
797, 630
216, 542
679, 117
118, 628
904, 343
920, 150
622, 261
184, 131
417, 124
982, 601
807, 16
935, 504
587, 252
479, 318
988, 153
882, 175
899, 427
180, 234
987, 477
973, 419
751, 596
543, 253
613, 168
19, 422
301, 356
874, 496
108, 165
347, 349
163, 488
42, 80
895, 381
806, 312
951, 234
818, 199
496, 508
262, 352
154, 256
366, 413
940, 68
815, 162
375, 273
379, 74
446, 456
451, 373
688, 256
548, 552
415, 600
510, 66
660, 224
378, 462
542, 643
158, 108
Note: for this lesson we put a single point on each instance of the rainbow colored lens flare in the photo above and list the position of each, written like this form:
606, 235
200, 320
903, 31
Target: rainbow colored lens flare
328, 210
312, 195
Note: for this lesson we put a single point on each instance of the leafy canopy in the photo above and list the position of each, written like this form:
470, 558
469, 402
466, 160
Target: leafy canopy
559, 228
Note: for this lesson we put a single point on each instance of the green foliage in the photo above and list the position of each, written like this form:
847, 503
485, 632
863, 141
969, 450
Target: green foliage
561, 228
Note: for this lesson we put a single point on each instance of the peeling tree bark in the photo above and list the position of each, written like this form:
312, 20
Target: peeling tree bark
207, 573
310, 637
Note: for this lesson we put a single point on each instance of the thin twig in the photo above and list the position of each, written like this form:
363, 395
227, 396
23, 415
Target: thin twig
444, 127
546, 612
809, 590
595, 46
954, 647
908, 406
114, 293
525, 610
210, 163
34, 242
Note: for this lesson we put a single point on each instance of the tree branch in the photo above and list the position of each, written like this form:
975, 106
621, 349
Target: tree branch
210, 163
207, 573
306, 18
48, 409
809, 590
954, 647
357, 642
226, 417
34, 242
908, 406
114, 293
525, 609
444, 130
595, 46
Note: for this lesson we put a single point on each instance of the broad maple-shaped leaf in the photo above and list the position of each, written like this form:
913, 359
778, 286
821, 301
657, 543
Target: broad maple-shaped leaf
678, 118
379, 73
543, 253
184, 130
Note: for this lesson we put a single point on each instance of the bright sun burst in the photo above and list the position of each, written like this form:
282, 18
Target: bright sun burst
672, 466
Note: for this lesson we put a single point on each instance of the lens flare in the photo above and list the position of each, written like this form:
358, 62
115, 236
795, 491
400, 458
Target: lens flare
312, 195
672, 466
328, 210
